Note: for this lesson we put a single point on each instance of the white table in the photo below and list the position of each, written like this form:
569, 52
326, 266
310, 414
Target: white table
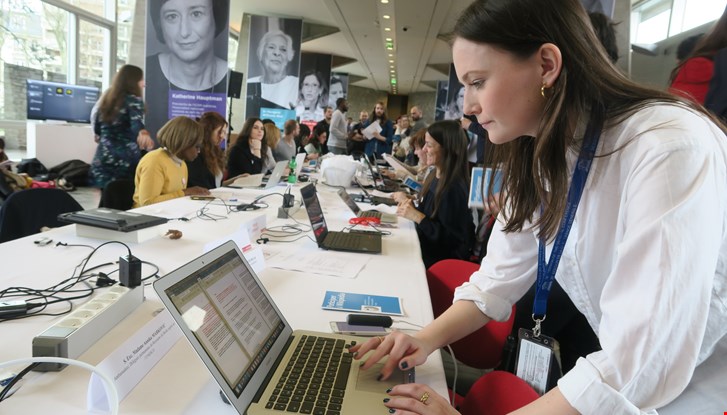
179, 383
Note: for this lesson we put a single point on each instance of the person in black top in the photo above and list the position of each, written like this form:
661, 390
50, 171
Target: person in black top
444, 223
208, 168
245, 156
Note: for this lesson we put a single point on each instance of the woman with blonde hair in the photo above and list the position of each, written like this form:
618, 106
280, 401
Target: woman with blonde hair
272, 136
209, 167
120, 128
162, 174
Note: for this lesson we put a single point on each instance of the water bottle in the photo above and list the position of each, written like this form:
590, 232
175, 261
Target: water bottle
292, 166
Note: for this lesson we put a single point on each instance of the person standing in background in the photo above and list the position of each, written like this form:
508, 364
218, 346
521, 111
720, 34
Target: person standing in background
416, 119
691, 77
338, 131
356, 142
120, 128
380, 143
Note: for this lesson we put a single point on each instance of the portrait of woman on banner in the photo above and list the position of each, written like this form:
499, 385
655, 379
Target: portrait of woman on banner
187, 52
312, 97
275, 53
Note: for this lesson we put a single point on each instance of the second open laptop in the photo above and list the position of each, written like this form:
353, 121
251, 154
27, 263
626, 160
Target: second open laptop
366, 242
256, 180
376, 200
384, 217
261, 365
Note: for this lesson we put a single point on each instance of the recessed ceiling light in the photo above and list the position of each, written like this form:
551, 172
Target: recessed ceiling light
385, 1
391, 55
387, 29
386, 16
391, 61
388, 39
389, 48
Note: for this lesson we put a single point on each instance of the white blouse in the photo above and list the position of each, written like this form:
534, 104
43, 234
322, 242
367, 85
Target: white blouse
645, 262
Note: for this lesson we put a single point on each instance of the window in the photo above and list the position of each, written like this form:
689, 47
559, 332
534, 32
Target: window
94, 54
655, 20
38, 40
123, 33
33, 46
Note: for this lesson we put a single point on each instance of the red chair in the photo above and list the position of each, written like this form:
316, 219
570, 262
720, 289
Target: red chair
483, 348
497, 393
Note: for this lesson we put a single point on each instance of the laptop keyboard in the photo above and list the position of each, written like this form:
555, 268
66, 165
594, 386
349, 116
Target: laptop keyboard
314, 381
343, 240
370, 214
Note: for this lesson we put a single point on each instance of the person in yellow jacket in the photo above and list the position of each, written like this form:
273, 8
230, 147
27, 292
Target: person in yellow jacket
162, 174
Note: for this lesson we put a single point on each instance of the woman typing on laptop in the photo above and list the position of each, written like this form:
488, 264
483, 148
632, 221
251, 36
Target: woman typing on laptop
162, 174
443, 221
615, 188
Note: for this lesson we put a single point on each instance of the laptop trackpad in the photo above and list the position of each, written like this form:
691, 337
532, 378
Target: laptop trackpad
366, 380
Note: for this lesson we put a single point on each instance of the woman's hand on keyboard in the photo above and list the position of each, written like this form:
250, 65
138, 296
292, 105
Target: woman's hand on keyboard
403, 350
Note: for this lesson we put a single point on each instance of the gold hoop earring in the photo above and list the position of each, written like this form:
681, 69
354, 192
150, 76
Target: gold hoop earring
542, 90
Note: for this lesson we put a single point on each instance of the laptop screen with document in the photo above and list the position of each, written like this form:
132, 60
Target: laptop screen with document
223, 305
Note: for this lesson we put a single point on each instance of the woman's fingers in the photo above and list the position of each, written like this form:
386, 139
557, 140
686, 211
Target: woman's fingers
419, 399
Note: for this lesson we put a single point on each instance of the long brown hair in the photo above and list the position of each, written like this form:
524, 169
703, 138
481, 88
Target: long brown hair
244, 138
214, 157
452, 160
126, 82
587, 80
707, 45
373, 117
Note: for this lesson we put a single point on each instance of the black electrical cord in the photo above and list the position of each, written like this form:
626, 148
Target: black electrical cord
39, 299
15, 380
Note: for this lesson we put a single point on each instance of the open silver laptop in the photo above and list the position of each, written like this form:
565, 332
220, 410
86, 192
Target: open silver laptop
261, 365
383, 216
256, 180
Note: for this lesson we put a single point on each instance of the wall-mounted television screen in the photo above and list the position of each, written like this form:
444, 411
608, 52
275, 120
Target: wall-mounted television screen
57, 101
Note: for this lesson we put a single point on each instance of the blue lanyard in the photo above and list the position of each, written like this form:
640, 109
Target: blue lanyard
546, 271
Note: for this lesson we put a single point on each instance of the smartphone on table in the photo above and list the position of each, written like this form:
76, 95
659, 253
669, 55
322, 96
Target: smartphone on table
342, 327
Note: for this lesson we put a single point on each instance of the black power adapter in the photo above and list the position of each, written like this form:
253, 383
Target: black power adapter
129, 271
368, 320
288, 200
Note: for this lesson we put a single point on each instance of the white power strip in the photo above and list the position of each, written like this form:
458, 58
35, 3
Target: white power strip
74, 334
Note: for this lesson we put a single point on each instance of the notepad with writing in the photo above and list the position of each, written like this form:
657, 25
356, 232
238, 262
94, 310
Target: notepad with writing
362, 303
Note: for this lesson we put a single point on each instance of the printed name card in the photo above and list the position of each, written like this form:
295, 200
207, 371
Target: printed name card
242, 237
131, 361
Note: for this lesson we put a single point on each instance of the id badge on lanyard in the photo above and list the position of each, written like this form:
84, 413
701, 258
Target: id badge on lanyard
535, 358
535, 351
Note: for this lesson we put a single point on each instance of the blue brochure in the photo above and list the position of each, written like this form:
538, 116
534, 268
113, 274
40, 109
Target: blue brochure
362, 303
481, 179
